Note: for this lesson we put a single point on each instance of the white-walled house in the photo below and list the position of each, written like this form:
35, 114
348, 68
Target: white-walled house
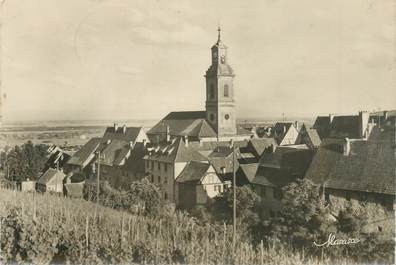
197, 183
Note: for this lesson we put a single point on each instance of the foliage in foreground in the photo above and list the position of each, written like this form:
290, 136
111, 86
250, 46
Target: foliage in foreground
24, 162
305, 218
43, 228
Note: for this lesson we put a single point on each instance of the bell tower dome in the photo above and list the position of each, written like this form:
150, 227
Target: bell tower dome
220, 104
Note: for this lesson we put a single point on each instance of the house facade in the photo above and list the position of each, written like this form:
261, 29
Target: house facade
51, 181
197, 184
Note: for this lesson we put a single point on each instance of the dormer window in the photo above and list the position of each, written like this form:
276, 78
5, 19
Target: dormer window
226, 92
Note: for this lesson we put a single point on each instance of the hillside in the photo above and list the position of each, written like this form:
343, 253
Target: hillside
45, 228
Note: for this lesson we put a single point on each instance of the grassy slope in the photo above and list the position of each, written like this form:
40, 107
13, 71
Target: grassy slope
80, 234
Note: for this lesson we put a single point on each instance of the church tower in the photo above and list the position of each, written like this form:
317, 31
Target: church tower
220, 104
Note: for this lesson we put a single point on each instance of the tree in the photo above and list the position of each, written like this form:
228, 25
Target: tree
145, 196
303, 219
26, 161
248, 207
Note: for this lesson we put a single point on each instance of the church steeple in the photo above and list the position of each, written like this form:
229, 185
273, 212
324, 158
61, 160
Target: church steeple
220, 104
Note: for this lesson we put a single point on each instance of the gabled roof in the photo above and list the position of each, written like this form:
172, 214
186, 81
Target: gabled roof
283, 166
249, 170
193, 172
135, 162
85, 153
345, 126
311, 134
369, 167
280, 130
114, 152
322, 125
51, 174
260, 145
57, 158
190, 123
130, 134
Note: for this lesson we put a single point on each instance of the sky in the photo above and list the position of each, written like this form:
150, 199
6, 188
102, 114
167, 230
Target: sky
110, 59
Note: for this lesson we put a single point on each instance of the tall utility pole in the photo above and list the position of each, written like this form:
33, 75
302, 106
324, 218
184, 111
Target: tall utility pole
234, 195
97, 179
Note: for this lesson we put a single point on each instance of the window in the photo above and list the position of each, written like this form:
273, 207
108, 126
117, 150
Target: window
152, 165
211, 117
166, 167
159, 179
226, 92
211, 92
159, 166
152, 178
165, 196
227, 116
165, 179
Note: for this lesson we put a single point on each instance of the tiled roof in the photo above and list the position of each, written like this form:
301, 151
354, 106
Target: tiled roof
322, 125
135, 162
193, 172
345, 126
281, 129
370, 166
176, 151
283, 166
51, 174
114, 152
249, 170
57, 158
261, 144
130, 134
190, 123
85, 153
311, 134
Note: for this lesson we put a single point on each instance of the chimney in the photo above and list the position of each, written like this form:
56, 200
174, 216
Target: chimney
223, 170
296, 125
385, 115
131, 144
115, 127
363, 123
186, 140
108, 141
167, 134
124, 129
284, 129
331, 117
347, 147
144, 142
273, 148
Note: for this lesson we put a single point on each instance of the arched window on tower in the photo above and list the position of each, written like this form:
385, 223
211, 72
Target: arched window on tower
226, 92
211, 92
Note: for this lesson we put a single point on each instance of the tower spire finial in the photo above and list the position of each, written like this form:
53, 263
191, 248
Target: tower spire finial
218, 36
